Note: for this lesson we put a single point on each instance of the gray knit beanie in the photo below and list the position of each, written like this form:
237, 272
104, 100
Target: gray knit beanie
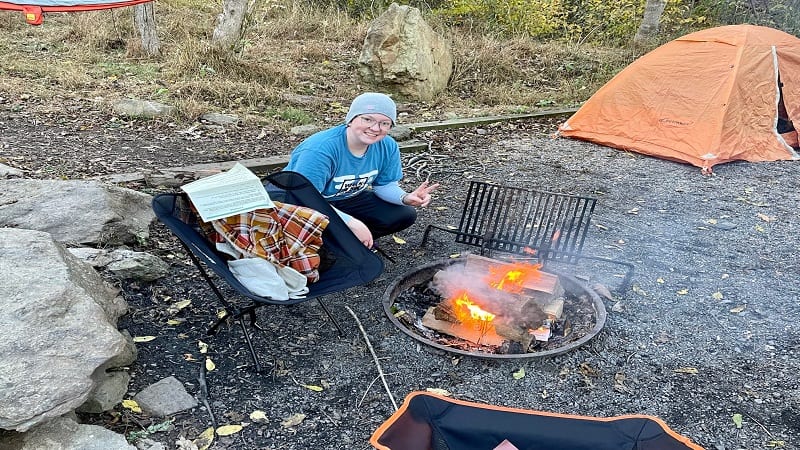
372, 103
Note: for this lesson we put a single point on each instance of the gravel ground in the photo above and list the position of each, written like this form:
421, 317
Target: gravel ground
708, 330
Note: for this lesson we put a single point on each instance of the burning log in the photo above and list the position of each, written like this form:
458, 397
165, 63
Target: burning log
488, 302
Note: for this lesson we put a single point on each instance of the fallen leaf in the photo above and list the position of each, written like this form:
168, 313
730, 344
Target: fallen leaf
455, 255
293, 420
660, 280
765, 218
737, 420
639, 290
398, 239
443, 392
177, 306
206, 438
227, 430
717, 295
440, 208
759, 228
738, 309
174, 322
202, 346
132, 405
683, 292
519, 374
450, 227
633, 211
259, 416
312, 387
210, 365
725, 276
776, 443
711, 221
687, 370
602, 227
221, 313
143, 338
189, 357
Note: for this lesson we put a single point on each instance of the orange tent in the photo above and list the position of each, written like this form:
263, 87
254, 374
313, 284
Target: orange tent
706, 98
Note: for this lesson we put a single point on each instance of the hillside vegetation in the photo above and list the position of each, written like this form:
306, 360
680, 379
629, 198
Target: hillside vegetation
297, 61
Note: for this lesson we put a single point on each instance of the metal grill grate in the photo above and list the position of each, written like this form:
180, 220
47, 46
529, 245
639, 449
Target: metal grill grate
552, 226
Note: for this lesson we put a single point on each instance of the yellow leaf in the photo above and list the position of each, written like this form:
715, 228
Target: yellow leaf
132, 405
221, 313
455, 255
293, 420
711, 221
683, 292
775, 443
143, 338
765, 217
519, 374
687, 370
660, 280
259, 416
174, 322
440, 208
227, 430
202, 346
759, 228
181, 304
439, 391
206, 438
738, 309
312, 387
717, 295
639, 291
210, 365
398, 239
737, 420
450, 227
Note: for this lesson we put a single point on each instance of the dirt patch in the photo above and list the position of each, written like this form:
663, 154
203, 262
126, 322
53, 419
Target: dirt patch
708, 330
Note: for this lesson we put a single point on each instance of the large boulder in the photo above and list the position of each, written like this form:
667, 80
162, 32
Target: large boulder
63, 433
58, 333
84, 212
402, 53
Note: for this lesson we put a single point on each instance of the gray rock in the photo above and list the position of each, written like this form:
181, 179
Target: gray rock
62, 433
141, 108
10, 172
304, 130
165, 398
128, 264
57, 329
401, 51
220, 119
84, 212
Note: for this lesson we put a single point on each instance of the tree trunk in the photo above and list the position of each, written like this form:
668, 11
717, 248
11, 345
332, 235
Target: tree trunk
144, 18
229, 26
652, 15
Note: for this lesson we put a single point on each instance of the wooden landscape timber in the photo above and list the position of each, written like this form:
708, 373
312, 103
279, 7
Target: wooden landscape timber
177, 176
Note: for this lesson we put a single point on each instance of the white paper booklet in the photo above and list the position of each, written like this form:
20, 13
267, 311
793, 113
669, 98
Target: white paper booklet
233, 192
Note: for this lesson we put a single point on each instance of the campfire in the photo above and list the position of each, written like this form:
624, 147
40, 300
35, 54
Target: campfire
493, 307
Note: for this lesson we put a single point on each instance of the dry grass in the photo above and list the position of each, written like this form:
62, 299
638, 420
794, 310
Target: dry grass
290, 51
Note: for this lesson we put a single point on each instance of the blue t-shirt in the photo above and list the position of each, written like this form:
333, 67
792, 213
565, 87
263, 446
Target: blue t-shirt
326, 161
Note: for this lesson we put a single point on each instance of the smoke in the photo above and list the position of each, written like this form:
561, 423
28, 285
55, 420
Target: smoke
456, 279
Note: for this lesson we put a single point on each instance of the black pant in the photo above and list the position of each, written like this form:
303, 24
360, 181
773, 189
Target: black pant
381, 217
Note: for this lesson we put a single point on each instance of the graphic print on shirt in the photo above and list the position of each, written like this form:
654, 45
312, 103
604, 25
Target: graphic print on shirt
348, 185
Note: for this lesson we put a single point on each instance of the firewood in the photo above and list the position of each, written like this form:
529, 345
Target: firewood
444, 311
480, 333
513, 332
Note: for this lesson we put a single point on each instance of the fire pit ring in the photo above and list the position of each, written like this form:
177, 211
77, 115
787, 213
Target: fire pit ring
425, 273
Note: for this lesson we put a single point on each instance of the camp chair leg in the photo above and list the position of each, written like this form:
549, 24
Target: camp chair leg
253, 354
330, 316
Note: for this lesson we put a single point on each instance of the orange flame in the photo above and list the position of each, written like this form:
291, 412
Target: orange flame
513, 278
466, 309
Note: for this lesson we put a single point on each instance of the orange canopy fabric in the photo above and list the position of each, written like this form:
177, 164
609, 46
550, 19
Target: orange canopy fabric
706, 98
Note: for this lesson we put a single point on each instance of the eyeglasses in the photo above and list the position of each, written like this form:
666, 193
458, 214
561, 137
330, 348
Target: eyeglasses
370, 122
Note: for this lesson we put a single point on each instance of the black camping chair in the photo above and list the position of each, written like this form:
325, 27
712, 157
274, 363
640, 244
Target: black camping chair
353, 264
431, 422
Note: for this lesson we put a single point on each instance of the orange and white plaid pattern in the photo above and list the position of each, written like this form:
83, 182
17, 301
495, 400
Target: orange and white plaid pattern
287, 235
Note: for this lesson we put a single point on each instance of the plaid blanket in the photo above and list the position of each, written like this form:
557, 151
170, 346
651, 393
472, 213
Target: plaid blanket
287, 235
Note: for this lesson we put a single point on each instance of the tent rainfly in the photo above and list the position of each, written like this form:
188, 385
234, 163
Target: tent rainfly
33, 9
717, 95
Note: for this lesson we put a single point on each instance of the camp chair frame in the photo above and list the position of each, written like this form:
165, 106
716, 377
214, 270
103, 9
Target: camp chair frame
509, 219
428, 421
354, 263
